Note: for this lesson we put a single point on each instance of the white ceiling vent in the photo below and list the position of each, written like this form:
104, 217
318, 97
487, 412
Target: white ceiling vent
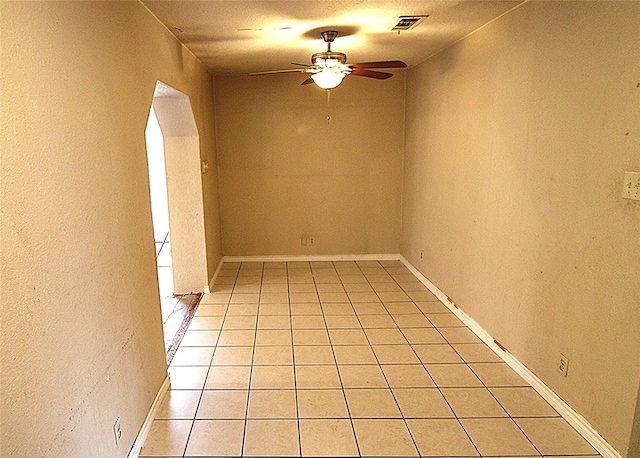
408, 22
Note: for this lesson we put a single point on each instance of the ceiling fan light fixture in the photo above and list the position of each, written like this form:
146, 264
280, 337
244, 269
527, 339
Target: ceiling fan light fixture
327, 78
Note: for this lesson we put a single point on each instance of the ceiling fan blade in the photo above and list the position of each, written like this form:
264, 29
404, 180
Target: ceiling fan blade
307, 81
381, 64
371, 74
300, 65
291, 70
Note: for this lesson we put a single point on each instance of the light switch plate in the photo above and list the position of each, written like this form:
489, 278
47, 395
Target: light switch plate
631, 186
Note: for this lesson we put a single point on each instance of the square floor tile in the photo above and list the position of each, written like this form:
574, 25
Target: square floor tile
223, 404
272, 438
305, 309
239, 322
211, 309
327, 438
193, 356
460, 335
233, 356
422, 403
327, 297
228, 377
274, 321
371, 403
407, 376
554, 436
272, 377
395, 354
200, 339
213, 323
432, 307
166, 438
340, 316
317, 377
310, 337
362, 376
187, 377
348, 337
413, 322
377, 321
274, 297
441, 437
473, 402
178, 405
244, 298
384, 438
385, 337
322, 404
216, 438
329, 287
443, 320
370, 308
476, 353
397, 309
423, 336
523, 402
215, 298
498, 437
355, 354
235, 338
264, 404
272, 337
242, 309
437, 353
303, 298
313, 354
274, 310
453, 375
307, 322
281, 355
497, 374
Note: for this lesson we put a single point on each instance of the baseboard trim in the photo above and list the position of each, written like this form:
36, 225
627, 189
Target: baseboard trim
573, 418
214, 276
146, 426
306, 258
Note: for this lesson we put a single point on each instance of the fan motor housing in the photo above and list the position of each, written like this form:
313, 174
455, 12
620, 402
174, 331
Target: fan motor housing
341, 58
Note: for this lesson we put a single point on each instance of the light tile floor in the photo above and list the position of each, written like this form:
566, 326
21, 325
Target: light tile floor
344, 359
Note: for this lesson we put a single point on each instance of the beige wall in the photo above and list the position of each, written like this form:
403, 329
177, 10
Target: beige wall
517, 139
286, 173
81, 333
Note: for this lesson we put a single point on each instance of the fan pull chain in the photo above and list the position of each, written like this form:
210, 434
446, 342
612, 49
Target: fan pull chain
328, 106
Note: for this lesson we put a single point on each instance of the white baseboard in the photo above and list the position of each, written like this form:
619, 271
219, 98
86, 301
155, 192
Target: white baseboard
576, 420
329, 257
213, 278
146, 426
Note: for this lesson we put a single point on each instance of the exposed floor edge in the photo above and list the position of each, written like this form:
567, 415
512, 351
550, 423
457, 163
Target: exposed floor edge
148, 421
329, 257
576, 420
183, 327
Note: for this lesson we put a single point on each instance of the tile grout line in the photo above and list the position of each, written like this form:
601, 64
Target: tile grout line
434, 381
293, 361
204, 383
253, 352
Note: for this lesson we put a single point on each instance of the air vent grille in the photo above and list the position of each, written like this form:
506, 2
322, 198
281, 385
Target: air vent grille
408, 22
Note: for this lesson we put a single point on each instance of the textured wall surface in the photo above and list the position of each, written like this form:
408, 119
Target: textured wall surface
81, 333
517, 139
287, 173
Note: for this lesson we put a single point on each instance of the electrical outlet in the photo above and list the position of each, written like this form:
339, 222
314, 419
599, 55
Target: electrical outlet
312, 241
563, 365
421, 255
631, 186
117, 431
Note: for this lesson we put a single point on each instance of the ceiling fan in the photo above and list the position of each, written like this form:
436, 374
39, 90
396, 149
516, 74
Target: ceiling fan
329, 68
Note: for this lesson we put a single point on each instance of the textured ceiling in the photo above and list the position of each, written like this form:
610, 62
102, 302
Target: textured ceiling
231, 36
